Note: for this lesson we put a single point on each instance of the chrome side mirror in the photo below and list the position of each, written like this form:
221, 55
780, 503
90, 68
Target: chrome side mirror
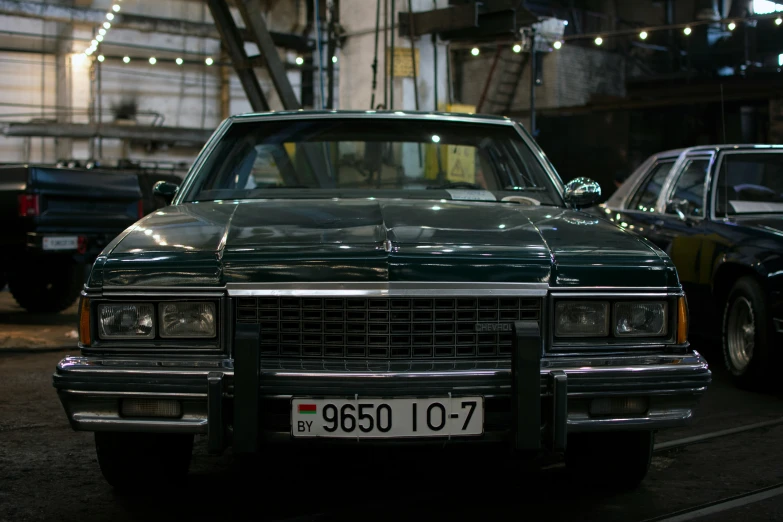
679, 207
165, 190
581, 193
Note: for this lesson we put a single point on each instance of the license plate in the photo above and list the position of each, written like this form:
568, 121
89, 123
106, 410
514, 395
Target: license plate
60, 242
387, 418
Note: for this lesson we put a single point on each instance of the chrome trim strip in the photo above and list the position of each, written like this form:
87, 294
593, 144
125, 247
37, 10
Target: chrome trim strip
141, 292
387, 289
629, 289
88, 422
377, 115
660, 295
146, 395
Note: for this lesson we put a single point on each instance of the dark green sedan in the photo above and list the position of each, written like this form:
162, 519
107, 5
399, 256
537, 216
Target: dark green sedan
378, 277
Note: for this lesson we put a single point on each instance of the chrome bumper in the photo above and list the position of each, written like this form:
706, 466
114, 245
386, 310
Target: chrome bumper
90, 389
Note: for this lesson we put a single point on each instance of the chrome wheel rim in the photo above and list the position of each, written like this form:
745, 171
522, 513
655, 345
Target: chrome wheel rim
741, 334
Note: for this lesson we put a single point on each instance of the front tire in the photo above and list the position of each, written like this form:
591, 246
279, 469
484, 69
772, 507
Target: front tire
745, 335
138, 461
618, 460
47, 288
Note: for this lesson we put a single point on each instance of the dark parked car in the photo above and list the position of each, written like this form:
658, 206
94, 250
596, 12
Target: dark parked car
338, 276
718, 212
55, 223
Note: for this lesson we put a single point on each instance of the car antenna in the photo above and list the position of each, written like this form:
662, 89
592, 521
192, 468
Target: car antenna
722, 114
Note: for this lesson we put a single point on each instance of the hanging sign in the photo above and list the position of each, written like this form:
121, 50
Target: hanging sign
403, 67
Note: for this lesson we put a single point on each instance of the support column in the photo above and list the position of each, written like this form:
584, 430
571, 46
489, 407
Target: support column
62, 66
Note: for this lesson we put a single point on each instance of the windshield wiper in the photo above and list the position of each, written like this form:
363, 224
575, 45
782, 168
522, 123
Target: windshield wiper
457, 185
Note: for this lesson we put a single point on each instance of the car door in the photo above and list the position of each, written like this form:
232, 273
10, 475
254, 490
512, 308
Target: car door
680, 226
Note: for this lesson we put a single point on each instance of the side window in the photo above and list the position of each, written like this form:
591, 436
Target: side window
647, 194
689, 189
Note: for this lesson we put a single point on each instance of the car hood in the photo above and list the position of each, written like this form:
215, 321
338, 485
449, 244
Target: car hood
214, 243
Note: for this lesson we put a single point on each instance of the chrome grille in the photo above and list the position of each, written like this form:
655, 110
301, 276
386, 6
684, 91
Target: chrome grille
384, 327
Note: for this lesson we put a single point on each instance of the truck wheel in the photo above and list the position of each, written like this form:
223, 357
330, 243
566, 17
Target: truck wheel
49, 288
619, 460
137, 461
745, 348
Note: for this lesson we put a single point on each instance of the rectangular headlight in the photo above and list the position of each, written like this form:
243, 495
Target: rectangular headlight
582, 319
187, 319
126, 321
640, 319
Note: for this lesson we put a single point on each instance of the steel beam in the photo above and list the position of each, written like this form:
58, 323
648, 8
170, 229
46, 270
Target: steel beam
235, 47
254, 21
148, 24
194, 137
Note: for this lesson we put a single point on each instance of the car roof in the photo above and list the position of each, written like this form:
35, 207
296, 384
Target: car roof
428, 115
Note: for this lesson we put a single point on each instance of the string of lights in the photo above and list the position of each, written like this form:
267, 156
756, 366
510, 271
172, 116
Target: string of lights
103, 30
644, 32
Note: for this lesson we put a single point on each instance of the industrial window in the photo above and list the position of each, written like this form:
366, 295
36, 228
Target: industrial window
766, 7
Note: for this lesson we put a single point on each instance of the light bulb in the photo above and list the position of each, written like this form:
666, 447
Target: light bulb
106, 25
778, 20
209, 61
179, 61
643, 35
126, 59
101, 58
101, 31
517, 48
558, 44
153, 61
334, 59
687, 31
110, 16
99, 37
732, 26
475, 51
299, 60
115, 8
599, 41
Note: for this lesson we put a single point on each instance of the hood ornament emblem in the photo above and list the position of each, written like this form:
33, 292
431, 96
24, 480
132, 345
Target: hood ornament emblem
387, 245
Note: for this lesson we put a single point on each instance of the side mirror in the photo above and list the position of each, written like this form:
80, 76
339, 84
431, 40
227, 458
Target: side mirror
165, 190
581, 193
679, 207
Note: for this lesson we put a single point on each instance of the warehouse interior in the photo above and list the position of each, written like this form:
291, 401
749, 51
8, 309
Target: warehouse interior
116, 106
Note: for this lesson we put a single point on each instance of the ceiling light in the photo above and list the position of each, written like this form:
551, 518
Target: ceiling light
153, 61
115, 8
558, 44
179, 61
517, 48
101, 58
110, 16
106, 25
687, 31
475, 51
599, 41
209, 61
732, 26
126, 59
643, 35
299, 60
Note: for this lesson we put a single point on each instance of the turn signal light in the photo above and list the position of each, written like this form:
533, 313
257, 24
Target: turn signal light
618, 406
84, 322
28, 205
150, 408
682, 320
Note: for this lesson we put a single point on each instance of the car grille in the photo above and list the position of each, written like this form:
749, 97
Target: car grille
385, 327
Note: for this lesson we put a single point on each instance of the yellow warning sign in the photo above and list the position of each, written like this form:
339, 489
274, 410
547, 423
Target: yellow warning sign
461, 164
403, 65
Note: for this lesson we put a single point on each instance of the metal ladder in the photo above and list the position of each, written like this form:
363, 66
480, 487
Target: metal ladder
512, 66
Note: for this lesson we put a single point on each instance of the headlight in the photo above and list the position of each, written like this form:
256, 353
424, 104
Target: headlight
581, 319
187, 319
126, 321
640, 319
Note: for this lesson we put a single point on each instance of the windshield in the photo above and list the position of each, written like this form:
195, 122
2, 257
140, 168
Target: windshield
372, 156
750, 183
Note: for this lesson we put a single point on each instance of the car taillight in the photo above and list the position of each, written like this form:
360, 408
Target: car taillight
28, 205
140, 208
81, 245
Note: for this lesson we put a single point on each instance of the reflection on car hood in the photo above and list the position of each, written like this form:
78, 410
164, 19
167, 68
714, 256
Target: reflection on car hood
371, 239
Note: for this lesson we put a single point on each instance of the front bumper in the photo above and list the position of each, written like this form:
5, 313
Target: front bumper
214, 400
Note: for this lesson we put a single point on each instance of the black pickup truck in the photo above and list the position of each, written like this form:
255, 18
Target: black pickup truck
55, 223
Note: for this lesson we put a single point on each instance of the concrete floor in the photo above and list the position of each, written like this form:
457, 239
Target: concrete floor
49, 472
